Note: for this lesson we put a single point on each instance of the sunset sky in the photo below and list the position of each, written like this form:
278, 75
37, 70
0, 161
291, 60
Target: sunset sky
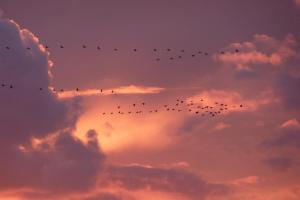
119, 100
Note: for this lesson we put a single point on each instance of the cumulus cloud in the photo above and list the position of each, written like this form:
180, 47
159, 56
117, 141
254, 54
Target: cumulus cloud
263, 49
61, 164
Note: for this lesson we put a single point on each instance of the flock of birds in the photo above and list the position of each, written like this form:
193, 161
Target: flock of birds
181, 51
180, 105
197, 108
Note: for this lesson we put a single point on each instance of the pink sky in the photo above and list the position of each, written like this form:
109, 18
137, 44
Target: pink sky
74, 145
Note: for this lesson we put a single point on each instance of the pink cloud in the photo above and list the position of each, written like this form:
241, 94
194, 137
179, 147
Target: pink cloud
292, 123
263, 49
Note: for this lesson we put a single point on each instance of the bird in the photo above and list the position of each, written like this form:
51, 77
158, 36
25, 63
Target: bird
134, 49
143, 103
171, 58
193, 55
84, 46
241, 105
133, 105
182, 50
179, 56
28, 48
10, 86
77, 89
103, 113
98, 48
7, 47
206, 53
157, 59
199, 52
154, 49
111, 113
61, 46
41, 89
61, 90
112, 91
3, 85
236, 51
101, 90
119, 107
46, 47
115, 49
168, 49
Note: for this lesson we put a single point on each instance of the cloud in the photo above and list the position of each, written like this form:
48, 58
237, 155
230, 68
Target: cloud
131, 89
262, 50
279, 163
290, 123
231, 98
287, 136
170, 180
37, 146
221, 125
297, 2
246, 180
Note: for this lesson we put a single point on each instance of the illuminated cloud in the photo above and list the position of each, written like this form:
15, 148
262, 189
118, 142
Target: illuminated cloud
246, 180
263, 49
290, 124
132, 89
233, 99
221, 125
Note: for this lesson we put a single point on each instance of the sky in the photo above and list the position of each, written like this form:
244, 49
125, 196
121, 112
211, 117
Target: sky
142, 100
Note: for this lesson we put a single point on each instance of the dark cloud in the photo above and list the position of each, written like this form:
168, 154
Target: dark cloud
166, 180
287, 87
59, 162
279, 163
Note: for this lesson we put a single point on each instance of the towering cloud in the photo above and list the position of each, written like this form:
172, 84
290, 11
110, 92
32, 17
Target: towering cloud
37, 148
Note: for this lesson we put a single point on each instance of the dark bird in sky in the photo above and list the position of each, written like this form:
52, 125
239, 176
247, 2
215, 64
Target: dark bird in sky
119, 107
11, 87
182, 50
77, 89
157, 59
61, 46
154, 49
84, 46
236, 51
101, 90
168, 49
193, 55
7, 47
115, 49
98, 48
241, 105
46, 47
41, 89
133, 105
199, 52
143, 103
179, 56
171, 58
28, 48
134, 49
3, 85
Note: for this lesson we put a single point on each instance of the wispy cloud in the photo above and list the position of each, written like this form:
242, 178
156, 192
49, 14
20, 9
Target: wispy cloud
131, 89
